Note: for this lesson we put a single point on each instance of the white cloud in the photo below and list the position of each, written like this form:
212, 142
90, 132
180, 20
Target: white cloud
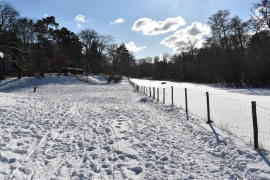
80, 18
152, 27
45, 15
133, 48
195, 32
118, 21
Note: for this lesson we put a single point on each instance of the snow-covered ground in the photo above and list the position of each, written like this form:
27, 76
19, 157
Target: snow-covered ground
70, 129
94, 79
230, 108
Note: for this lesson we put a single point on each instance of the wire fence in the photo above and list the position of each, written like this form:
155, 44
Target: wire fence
251, 123
263, 115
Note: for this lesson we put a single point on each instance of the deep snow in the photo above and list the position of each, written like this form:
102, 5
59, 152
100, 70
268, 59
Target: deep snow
69, 129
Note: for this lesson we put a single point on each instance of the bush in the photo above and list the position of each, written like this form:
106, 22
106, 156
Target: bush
114, 78
117, 78
109, 78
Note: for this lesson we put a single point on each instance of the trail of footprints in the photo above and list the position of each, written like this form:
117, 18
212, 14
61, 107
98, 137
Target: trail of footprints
86, 146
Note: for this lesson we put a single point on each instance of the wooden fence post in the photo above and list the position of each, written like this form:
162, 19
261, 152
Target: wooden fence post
255, 125
186, 100
157, 94
163, 95
172, 95
208, 109
153, 92
150, 91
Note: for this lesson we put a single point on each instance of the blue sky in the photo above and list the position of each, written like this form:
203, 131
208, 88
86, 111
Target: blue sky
147, 27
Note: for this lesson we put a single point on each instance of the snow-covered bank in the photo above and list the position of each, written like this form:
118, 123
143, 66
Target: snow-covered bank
94, 79
69, 129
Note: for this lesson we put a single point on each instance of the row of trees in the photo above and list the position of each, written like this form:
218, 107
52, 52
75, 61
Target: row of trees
236, 53
40, 46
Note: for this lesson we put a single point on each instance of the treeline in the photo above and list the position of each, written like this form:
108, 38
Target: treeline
236, 53
30, 46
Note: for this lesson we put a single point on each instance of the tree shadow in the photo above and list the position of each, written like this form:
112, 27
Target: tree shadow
8, 82
30, 82
251, 91
262, 154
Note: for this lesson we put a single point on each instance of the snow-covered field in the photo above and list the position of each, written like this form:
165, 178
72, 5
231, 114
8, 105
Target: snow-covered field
70, 129
230, 108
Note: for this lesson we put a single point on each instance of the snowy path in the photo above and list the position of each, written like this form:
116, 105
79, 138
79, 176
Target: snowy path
73, 130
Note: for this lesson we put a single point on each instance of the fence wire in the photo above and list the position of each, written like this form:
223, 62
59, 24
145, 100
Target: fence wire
179, 97
197, 103
230, 115
263, 117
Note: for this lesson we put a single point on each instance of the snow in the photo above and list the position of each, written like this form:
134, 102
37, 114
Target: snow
94, 79
70, 129
1, 54
230, 108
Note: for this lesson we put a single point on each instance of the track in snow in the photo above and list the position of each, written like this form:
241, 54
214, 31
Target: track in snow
109, 131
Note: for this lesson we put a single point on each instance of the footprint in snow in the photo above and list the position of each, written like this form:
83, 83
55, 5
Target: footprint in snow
148, 165
137, 169
91, 148
143, 100
109, 171
120, 165
105, 166
20, 143
20, 151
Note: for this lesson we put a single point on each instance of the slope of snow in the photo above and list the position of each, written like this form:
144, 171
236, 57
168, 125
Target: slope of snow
94, 79
69, 129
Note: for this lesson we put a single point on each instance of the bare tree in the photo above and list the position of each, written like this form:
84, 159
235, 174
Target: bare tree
219, 23
8, 18
261, 13
239, 31
104, 42
88, 37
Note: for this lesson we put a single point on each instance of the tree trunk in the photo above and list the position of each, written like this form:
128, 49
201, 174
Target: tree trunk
2, 70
